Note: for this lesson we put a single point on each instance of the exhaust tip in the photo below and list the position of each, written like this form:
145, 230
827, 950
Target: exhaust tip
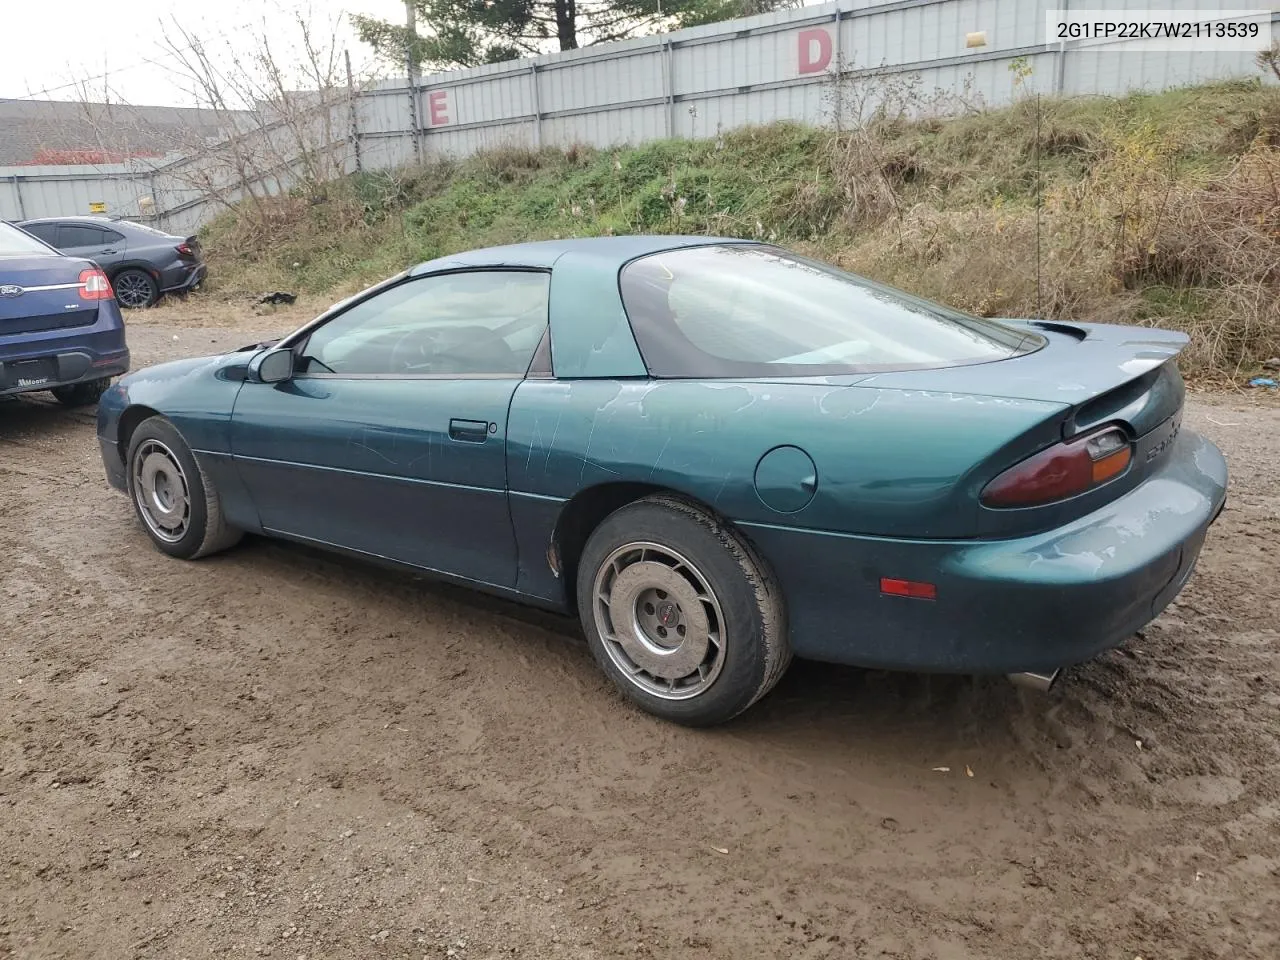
1035, 681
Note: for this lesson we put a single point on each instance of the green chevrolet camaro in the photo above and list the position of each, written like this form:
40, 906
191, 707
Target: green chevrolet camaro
717, 453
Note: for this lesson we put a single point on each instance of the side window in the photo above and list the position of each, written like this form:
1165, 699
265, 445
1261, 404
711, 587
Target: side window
111, 236
461, 324
79, 235
48, 232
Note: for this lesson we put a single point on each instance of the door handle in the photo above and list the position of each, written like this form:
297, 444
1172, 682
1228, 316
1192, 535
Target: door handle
110, 252
469, 431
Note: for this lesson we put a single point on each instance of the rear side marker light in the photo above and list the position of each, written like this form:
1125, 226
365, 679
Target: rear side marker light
1111, 465
94, 285
915, 589
1062, 471
1110, 454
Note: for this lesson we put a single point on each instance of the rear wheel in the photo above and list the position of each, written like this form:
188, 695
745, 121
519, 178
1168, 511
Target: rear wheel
177, 504
81, 394
680, 613
135, 288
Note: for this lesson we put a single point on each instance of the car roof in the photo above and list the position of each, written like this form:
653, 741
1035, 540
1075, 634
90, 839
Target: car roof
543, 254
73, 219
96, 221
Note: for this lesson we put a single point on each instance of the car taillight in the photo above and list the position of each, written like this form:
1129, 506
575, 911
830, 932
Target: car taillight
94, 285
185, 250
1062, 471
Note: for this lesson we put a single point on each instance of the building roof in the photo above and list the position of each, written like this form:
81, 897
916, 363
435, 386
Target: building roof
69, 132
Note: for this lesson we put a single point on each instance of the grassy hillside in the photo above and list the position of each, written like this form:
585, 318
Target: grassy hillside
1160, 209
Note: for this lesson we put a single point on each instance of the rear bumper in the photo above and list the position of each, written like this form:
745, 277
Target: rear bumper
43, 359
46, 370
186, 277
1004, 606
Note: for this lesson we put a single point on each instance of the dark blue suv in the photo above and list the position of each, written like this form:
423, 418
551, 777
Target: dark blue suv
60, 327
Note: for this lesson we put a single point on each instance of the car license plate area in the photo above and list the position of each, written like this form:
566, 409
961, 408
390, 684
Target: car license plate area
30, 373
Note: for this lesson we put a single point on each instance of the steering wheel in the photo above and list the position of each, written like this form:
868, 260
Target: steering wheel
429, 351
414, 352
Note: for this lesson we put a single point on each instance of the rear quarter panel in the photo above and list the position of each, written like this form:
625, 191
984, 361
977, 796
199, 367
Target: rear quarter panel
889, 463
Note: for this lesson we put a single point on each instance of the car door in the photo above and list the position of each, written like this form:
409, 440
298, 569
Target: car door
390, 437
102, 245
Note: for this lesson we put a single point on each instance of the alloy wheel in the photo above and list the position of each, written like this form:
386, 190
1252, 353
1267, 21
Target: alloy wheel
133, 290
660, 620
161, 490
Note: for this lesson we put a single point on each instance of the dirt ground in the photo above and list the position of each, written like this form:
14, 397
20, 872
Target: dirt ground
277, 753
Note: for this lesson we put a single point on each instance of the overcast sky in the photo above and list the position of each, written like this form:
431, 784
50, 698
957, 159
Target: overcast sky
51, 44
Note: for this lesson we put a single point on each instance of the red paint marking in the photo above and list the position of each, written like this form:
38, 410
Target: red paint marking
438, 107
814, 60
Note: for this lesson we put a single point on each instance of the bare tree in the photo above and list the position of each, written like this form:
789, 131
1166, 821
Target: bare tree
280, 101
1269, 59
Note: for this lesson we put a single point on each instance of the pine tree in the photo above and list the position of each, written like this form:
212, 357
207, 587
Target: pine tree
465, 33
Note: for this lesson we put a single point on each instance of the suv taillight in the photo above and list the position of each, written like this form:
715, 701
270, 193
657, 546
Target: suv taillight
94, 285
1062, 471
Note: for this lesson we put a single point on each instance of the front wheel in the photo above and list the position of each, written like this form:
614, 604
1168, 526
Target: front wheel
680, 613
177, 504
80, 394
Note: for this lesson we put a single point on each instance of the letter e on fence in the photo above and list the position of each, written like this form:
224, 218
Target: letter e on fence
438, 108
815, 50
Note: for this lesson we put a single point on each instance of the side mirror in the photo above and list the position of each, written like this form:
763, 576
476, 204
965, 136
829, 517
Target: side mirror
273, 366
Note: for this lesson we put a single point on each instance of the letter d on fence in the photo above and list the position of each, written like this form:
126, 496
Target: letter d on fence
815, 50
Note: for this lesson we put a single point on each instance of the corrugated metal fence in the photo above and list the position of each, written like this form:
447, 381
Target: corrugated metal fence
686, 84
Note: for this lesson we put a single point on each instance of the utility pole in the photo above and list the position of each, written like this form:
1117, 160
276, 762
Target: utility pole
351, 112
411, 32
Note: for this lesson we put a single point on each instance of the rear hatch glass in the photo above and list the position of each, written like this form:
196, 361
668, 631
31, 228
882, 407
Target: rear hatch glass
749, 310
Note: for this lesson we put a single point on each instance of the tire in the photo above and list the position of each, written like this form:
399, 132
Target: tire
135, 288
81, 394
685, 581
176, 503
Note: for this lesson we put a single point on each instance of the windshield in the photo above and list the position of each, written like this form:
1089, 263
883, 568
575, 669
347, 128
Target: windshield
16, 243
749, 310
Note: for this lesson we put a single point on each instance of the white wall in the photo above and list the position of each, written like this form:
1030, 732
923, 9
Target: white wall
686, 84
